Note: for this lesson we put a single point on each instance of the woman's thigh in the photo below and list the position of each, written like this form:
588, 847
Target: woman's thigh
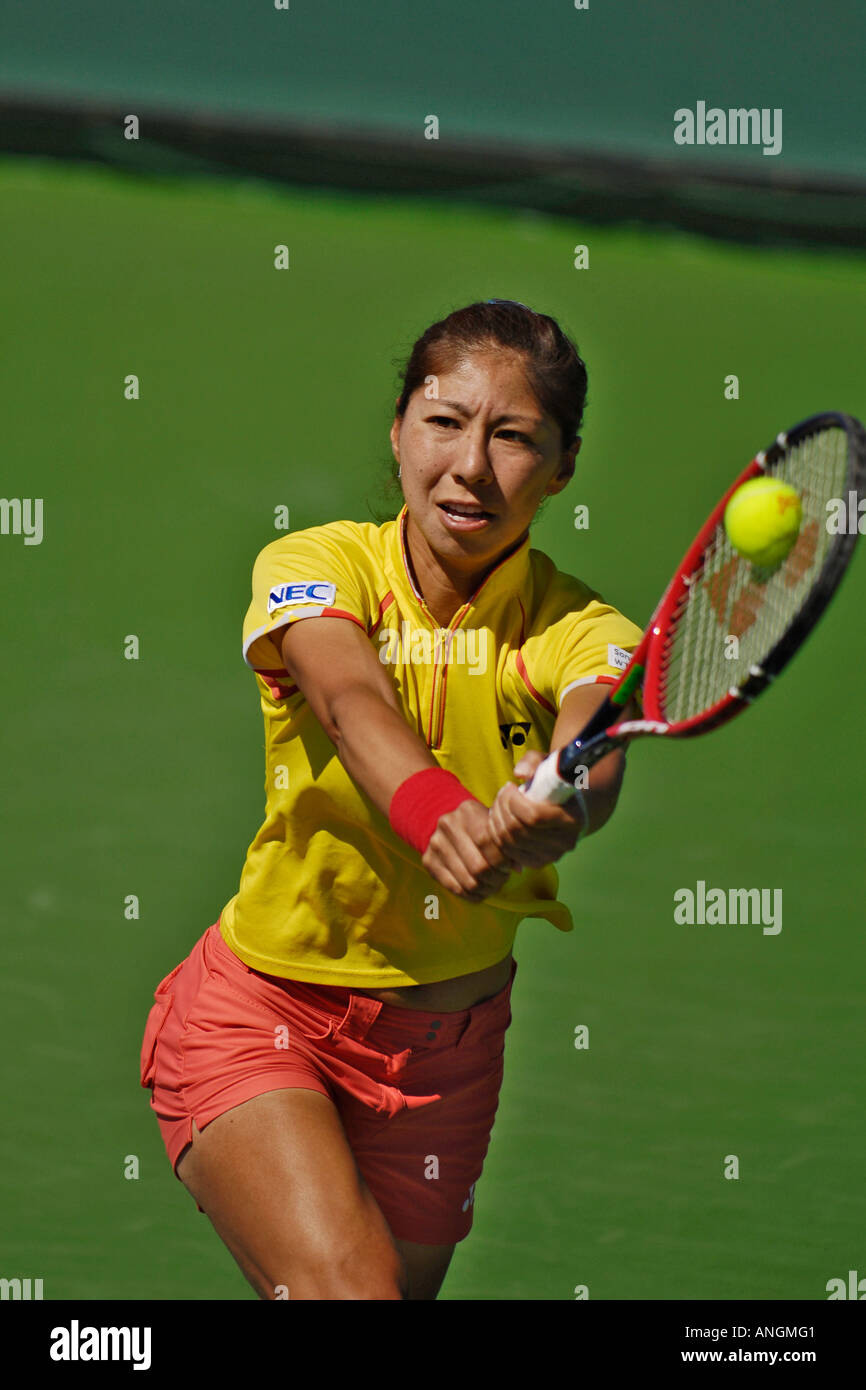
328, 1139
278, 1181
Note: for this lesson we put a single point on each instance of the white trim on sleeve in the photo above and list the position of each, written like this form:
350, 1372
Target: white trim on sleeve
584, 680
268, 631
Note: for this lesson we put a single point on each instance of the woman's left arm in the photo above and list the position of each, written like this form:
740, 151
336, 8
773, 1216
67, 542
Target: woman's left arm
536, 833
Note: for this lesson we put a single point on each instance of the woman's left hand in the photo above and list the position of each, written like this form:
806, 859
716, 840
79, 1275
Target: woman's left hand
533, 833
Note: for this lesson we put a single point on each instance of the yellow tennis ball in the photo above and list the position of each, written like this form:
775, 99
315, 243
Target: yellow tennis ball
763, 519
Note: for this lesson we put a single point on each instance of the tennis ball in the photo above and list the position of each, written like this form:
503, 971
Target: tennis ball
762, 520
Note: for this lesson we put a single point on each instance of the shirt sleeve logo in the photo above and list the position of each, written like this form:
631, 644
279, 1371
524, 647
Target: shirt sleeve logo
316, 591
617, 658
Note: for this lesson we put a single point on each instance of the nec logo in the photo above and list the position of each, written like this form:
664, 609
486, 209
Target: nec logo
513, 734
317, 591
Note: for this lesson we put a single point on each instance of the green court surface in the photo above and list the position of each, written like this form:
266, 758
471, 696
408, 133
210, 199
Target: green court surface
262, 388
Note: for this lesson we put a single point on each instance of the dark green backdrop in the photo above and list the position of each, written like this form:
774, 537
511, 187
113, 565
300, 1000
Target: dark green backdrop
607, 78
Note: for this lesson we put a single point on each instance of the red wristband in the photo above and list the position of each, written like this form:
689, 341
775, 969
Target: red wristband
418, 803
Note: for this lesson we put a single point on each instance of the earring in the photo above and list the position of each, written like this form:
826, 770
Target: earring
399, 470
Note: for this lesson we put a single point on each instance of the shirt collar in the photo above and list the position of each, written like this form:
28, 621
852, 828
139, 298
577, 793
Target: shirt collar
507, 579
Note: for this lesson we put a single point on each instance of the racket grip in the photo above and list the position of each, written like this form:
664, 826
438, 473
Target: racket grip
547, 785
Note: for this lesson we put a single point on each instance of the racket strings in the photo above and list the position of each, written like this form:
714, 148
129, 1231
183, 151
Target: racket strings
732, 614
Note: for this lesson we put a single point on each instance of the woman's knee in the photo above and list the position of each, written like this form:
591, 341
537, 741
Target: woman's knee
374, 1271
339, 1274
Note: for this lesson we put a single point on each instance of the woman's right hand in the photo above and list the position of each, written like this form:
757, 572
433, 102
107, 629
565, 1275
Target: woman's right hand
463, 856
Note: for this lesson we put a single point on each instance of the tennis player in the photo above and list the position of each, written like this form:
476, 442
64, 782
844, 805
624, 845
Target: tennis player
326, 1063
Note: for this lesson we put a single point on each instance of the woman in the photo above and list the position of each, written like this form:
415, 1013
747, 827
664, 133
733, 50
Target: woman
326, 1063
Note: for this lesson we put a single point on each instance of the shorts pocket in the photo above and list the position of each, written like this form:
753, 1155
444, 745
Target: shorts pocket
494, 1042
154, 1026
163, 1000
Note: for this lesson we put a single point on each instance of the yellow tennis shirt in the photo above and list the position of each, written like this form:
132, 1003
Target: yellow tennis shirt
328, 893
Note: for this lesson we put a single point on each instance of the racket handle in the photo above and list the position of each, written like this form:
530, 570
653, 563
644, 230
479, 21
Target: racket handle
547, 785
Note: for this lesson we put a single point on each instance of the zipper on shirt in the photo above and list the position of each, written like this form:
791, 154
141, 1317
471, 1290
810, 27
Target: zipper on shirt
436, 721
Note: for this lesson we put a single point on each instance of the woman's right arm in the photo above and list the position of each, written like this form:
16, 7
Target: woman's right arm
352, 695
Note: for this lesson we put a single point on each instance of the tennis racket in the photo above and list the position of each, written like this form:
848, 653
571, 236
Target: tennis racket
691, 677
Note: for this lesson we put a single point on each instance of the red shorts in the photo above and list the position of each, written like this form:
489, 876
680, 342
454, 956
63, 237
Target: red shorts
416, 1092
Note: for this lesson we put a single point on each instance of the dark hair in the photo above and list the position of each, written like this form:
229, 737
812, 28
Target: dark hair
554, 368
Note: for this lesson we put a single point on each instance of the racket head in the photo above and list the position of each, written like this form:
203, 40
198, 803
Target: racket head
691, 678
696, 678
